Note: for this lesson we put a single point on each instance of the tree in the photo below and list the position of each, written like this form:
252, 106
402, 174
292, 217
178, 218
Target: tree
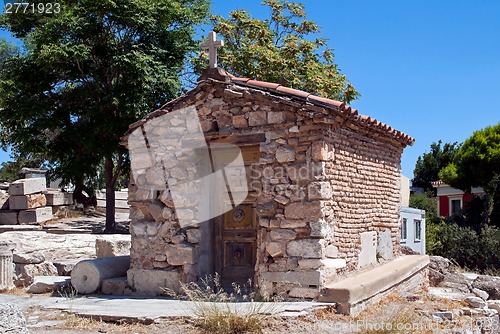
477, 164
7, 50
88, 72
283, 49
429, 164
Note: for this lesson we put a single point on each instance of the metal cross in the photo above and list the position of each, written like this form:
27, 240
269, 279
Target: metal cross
211, 45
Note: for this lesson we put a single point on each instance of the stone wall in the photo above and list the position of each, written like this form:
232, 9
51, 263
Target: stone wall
323, 182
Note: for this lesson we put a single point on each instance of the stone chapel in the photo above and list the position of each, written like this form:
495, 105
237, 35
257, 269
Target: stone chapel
322, 189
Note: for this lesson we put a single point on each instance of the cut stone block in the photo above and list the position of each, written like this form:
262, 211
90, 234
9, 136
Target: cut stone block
24, 202
25, 273
27, 186
44, 284
114, 286
384, 247
59, 198
152, 282
28, 258
368, 253
38, 215
64, 267
113, 245
8, 218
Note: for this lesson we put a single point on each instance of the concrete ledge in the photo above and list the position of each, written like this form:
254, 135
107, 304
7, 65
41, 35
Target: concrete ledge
362, 287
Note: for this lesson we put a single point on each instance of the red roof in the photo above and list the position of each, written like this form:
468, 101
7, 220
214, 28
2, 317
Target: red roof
342, 107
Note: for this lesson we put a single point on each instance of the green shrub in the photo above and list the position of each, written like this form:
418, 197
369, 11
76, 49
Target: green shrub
477, 250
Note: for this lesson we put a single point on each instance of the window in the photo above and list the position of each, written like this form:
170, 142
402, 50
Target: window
455, 205
404, 230
418, 230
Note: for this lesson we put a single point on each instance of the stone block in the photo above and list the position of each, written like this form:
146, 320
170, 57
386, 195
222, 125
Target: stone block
306, 210
305, 172
480, 293
25, 273
282, 234
274, 249
114, 286
152, 282
475, 302
368, 254
257, 118
59, 198
178, 255
27, 186
319, 190
322, 151
285, 154
302, 292
266, 209
331, 251
112, 245
275, 117
64, 267
193, 235
29, 258
304, 278
320, 228
334, 263
292, 223
384, 245
38, 215
44, 284
305, 248
308, 264
240, 121
8, 217
24, 202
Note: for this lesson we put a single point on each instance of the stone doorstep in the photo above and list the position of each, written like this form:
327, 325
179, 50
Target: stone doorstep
360, 287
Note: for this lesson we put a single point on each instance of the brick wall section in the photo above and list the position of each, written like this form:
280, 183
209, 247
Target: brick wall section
323, 182
364, 176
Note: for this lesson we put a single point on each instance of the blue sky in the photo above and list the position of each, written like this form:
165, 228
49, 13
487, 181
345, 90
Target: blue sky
428, 68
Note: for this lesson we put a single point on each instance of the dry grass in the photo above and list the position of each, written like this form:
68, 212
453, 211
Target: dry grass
75, 322
16, 291
217, 311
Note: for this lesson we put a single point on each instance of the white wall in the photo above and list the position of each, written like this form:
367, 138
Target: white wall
412, 215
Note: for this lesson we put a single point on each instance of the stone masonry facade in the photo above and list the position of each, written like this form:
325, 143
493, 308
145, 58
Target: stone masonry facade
327, 201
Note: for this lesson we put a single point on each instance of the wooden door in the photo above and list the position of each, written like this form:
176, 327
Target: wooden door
236, 231
236, 237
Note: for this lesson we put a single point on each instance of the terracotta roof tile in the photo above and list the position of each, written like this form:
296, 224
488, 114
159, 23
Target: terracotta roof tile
269, 85
292, 91
340, 106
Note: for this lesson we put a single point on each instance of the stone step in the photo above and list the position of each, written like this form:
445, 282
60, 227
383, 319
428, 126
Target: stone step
27, 186
114, 286
38, 215
361, 288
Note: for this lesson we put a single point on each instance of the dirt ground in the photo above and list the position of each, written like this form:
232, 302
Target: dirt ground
395, 314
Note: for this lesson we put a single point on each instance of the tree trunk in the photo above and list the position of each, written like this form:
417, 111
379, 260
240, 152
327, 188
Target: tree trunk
110, 195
